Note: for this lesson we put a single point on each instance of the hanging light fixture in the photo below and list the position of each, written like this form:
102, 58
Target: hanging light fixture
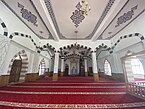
85, 8
76, 32
75, 44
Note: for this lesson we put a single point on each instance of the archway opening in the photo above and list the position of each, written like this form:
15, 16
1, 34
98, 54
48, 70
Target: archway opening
15, 70
107, 68
134, 70
74, 55
24, 67
137, 69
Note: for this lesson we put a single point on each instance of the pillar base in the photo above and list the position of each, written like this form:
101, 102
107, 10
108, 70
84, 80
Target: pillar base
96, 76
55, 77
86, 74
4, 80
61, 73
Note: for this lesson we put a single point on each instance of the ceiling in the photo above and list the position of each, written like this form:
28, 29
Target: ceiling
104, 21
63, 11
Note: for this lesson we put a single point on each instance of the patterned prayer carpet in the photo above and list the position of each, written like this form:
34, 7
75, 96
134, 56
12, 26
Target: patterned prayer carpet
68, 93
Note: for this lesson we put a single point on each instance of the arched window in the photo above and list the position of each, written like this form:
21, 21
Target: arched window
137, 67
42, 67
107, 68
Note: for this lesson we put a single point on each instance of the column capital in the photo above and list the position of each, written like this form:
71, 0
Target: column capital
56, 52
93, 51
62, 58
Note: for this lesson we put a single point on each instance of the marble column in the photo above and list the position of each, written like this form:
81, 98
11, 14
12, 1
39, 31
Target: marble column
62, 66
55, 69
94, 65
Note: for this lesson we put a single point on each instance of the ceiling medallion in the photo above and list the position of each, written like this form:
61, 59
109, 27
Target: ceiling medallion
80, 13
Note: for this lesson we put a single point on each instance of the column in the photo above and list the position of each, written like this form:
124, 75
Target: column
94, 65
86, 66
55, 69
62, 66
51, 67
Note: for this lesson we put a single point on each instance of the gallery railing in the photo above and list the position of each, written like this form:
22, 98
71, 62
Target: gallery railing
136, 89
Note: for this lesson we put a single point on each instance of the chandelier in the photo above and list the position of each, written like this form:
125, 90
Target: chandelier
85, 8
80, 13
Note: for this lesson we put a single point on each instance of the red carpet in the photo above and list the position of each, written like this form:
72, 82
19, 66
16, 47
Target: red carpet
64, 89
73, 80
84, 94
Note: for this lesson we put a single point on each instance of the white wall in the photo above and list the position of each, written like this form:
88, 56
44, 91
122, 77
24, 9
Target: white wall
133, 44
14, 48
15, 25
4, 47
1, 30
137, 26
33, 58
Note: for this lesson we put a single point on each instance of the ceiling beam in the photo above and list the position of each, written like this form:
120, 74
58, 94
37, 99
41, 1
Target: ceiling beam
42, 9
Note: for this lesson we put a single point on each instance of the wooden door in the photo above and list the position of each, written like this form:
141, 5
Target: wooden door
15, 71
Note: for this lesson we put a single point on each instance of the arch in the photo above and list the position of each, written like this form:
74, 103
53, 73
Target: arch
4, 27
105, 48
125, 37
74, 45
107, 68
23, 35
47, 46
24, 69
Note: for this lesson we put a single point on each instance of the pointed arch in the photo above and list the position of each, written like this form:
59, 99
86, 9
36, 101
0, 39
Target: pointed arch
140, 36
22, 54
64, 50
41, 69
107, 68
23, 35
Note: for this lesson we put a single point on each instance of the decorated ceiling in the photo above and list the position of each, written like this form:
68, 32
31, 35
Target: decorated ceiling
60, 19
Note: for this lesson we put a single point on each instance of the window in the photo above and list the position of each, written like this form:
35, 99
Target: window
107, 68
137, 67
42, 67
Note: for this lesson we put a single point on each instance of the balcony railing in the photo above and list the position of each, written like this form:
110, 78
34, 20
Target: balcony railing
137, 89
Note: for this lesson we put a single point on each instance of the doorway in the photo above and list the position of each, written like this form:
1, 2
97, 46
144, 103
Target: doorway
134, 67
15, 71
73, 68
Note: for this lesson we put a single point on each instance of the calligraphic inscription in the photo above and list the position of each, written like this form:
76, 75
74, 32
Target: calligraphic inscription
26, 14
126, 16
